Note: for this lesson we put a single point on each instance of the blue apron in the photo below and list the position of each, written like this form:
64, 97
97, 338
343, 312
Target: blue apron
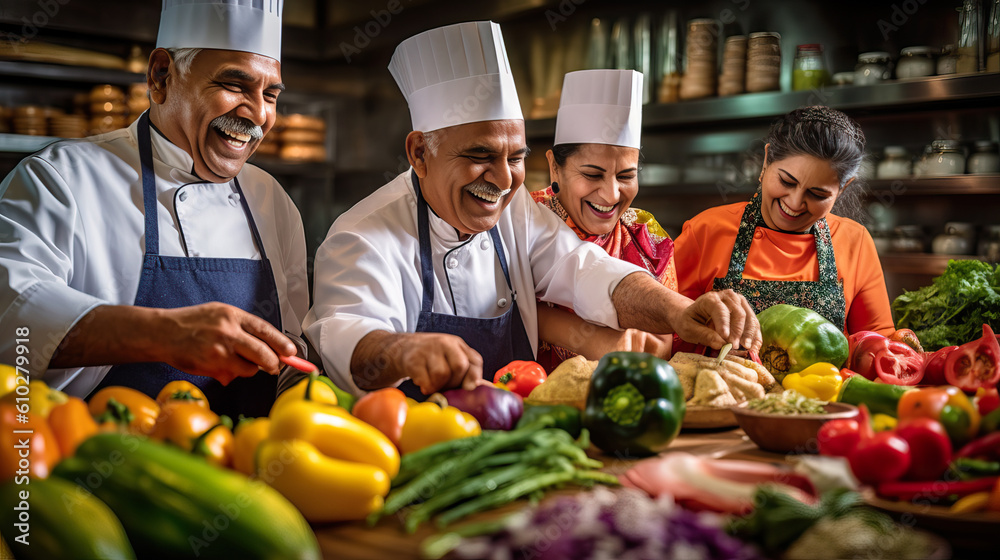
499, 340
170, 282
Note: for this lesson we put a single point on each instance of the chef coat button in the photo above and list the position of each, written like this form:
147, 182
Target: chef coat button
183, 196
502, 303
234, 199
453, 263
485, 245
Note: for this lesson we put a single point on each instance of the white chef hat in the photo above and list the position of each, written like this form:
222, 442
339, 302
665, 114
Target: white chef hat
600, 107
252, 26
454, 75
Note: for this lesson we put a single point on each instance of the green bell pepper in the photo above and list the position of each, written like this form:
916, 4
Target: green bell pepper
635, 404
567, 418
795, 338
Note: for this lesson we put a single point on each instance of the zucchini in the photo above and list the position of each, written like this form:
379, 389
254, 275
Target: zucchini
173, 504
880, 397
59, 521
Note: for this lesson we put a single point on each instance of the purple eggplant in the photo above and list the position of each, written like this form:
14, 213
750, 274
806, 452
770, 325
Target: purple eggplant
495, 409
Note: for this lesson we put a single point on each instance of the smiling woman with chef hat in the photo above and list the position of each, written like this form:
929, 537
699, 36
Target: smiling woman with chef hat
154, 253
434, 276
594, 167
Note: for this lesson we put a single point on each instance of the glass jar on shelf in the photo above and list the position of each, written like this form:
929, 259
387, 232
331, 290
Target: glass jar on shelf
947, 62
946, 158
915, 62
984, 158
968, 38
993, 39
808, 69
989, 244
873, 68
895, 164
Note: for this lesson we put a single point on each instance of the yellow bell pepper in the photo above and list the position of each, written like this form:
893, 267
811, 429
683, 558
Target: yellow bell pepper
323, 488
246, 438
8, 379
308, 389
428, 423
41, 399
883, 422
819, 381
335, 433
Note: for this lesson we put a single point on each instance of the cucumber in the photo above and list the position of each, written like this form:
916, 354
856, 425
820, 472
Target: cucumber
879, 397
173, 504
59, 521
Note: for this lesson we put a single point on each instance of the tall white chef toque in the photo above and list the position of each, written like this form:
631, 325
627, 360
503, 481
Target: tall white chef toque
454, 75
252, 26
600, 107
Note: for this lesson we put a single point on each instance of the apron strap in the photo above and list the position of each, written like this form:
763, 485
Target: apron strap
148, 186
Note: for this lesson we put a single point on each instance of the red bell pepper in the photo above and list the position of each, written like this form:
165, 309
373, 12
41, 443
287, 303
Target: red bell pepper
975, 364
934, 366
520, 377
876, 357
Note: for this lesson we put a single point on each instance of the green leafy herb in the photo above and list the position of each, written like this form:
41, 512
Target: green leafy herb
952, 310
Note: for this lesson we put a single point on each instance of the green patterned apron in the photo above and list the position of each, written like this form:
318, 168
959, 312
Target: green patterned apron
825, 296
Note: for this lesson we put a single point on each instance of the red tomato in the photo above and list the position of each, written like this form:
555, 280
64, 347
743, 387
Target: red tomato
838, 438
934, 366
882, 458
930, 448
975, 364
987, 400
878, 358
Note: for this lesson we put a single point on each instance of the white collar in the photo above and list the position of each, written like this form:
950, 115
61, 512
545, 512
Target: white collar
169, 154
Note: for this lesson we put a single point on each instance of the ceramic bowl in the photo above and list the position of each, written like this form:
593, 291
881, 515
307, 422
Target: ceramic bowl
788, 433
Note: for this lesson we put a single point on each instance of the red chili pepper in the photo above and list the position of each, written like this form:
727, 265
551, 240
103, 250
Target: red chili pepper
520, 377
934, 366
876, 357
986, 447
975, 364
936, 490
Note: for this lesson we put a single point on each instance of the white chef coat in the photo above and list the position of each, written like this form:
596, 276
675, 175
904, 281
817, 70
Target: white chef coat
367, 272
72, 238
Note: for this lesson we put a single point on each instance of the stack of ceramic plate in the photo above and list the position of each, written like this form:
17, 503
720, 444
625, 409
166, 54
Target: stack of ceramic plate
137, 101
734, 65
68, 126
31, 120
107, 109
701, 53
763, 62
303, 138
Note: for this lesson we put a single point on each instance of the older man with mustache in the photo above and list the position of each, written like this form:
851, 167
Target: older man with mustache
430, 282
153, 253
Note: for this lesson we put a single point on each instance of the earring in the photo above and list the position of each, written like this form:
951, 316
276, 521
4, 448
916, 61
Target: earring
555, 187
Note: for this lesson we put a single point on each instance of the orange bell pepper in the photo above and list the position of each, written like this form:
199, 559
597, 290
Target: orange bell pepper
129, 408
25, 454
948, 405
196, 429
181, 390
385, 409
71, 423
246, 439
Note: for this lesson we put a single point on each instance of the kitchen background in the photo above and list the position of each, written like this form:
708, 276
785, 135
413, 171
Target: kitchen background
921, 76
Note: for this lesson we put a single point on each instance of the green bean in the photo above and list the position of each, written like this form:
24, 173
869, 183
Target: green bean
504, 495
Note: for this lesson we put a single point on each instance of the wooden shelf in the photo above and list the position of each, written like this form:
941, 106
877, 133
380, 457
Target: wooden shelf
77, 74
894, 96
950, 185
919, 263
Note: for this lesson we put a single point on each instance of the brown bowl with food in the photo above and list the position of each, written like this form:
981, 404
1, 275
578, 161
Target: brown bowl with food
789, 433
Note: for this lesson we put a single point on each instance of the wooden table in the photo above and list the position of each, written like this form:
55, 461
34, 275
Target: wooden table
387, 540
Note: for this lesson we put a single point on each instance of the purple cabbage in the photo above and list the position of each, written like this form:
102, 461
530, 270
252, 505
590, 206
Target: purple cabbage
494, 408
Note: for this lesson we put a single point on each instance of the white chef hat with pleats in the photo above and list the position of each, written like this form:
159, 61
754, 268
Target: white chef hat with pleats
600, 107
252, 26
454, 75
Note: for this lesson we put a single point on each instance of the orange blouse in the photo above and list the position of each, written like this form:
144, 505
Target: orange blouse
703, 250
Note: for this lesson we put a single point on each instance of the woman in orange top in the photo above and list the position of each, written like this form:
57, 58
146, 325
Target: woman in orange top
785, 246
